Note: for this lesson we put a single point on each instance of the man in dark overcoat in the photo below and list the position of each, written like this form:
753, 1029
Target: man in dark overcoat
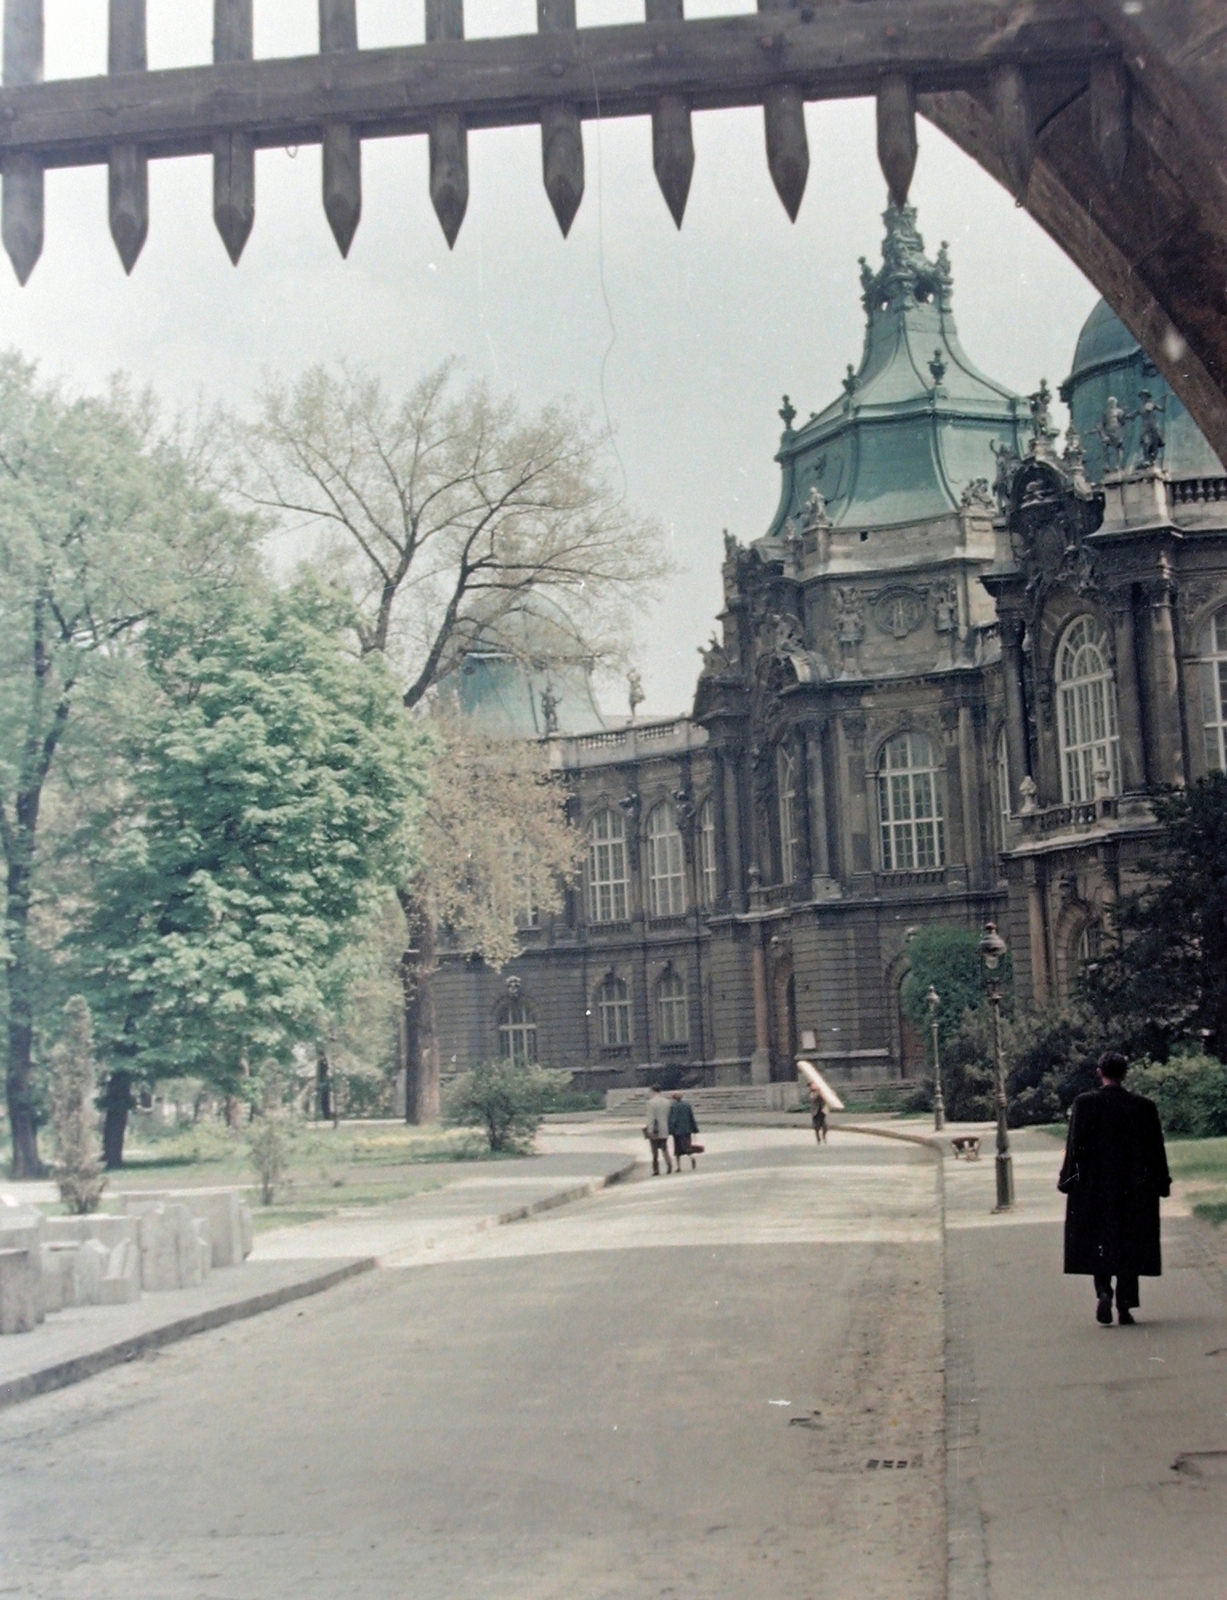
1114, 1174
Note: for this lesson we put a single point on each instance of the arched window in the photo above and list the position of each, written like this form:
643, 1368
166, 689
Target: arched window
1001, 784
607, 868
910, 805
666, 864
672, 1009
613, 1004
1213, 651
517, 1032
1086, 713
786, 792
705, 833
1089, 946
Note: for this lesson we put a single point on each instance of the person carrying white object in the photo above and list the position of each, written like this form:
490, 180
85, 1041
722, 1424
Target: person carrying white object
817, 1084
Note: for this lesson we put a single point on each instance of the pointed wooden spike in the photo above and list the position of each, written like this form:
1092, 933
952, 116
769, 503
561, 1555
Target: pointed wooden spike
1111, 119
673, 152
1014, 122
21, 213
342, 183
562, 160
897, 135
23, 42
338, 26
787, 146
449, 173
234, 190
128, 201
444, 20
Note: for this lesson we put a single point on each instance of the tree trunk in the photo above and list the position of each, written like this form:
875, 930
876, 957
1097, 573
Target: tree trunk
118, 1103
421, 1042
323, 1083
18, 1086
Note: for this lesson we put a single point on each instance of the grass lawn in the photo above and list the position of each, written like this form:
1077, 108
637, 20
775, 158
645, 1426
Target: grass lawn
330, 1169
1202, 1162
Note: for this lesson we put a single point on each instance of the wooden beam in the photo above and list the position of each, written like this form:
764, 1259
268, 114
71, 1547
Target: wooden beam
21, 187
1110, 121
562, 138
449, 139
827, 53
1014, 123
342, 165
672, 135
128, 165
234, 154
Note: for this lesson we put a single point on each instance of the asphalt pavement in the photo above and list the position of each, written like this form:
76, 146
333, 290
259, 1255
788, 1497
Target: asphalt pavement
718, 1384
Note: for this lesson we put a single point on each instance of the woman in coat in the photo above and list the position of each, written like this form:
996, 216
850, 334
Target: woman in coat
1114, 1174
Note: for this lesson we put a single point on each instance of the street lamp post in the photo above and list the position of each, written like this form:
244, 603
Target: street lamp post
992, 949
934, 1003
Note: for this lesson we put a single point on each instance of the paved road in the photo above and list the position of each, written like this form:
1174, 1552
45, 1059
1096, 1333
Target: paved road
673, 1389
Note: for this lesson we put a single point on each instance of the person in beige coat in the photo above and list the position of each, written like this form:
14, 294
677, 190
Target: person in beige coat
656, 1130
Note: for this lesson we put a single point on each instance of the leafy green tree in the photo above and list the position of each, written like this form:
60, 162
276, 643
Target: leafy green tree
104, 525
506, 1099
1163, 979
946, 957
457, 521
269, 805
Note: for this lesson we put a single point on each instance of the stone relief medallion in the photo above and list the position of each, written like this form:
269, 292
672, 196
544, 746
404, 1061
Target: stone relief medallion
899, 612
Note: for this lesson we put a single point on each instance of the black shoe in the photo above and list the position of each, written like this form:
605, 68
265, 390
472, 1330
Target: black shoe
1125, 1318
1103, 1311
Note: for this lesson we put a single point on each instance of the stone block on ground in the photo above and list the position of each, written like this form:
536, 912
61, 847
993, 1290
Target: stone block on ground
20, 1311
121, 1282
175, 1246
57, 1288
110, 1230
89, 1268
226, 1212
22, 1228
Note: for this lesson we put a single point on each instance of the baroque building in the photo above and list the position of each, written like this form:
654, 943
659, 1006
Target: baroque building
942, 681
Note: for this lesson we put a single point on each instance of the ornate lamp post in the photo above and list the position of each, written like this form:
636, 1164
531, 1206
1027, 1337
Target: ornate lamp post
934, 1003
992, 949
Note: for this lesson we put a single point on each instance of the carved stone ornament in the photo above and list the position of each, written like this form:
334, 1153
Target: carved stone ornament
899, 612
1027, 793
849, 615
1050, 516
716, 660
946, 608
978, 496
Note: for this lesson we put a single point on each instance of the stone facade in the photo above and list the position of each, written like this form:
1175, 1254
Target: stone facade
876, 739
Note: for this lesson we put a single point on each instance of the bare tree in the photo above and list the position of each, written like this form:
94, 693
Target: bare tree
457, 521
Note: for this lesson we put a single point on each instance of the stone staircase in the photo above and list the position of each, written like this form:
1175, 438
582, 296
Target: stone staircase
745, 1097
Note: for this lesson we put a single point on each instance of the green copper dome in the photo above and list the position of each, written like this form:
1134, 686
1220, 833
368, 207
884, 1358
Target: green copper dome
915, 425
1110, 363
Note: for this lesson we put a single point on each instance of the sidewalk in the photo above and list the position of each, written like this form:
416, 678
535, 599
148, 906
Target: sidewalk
288, 1263
1062, 1435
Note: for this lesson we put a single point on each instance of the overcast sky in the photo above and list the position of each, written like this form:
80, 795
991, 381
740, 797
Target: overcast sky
683, 342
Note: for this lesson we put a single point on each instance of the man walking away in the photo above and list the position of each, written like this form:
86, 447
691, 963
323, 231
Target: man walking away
682, 1126
656, 1130
1114, 1174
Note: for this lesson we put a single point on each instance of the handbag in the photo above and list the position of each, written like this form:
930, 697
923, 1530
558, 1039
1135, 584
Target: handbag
1068, 1185
696, 1149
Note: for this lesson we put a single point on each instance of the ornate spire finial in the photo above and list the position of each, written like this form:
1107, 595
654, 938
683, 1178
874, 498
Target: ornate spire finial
787, 412
850, 381
937, 367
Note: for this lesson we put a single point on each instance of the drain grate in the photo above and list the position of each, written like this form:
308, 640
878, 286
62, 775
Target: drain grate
884, 1464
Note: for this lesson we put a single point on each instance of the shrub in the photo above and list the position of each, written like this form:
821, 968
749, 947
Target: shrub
78, 1171
949, 959
269, 1148
504, 1098
1051, 1059
1190, 1091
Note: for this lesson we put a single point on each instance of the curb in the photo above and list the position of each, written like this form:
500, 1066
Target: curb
63, 1373
74, 1370
966, 1554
